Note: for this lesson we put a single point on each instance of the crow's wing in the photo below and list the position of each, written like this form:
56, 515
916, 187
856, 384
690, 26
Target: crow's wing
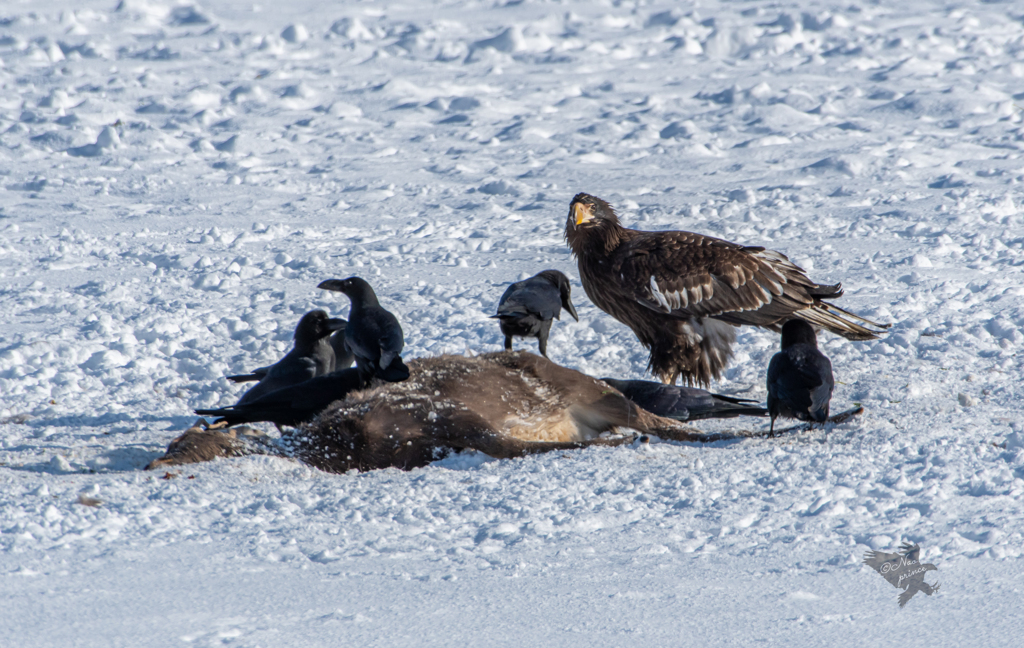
255, 374
683, 403
538, 298
291, 370
505, 296
295, 404
392, 339
821, 395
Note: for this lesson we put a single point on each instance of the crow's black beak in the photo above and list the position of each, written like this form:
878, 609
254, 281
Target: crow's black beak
336, 285
567, 305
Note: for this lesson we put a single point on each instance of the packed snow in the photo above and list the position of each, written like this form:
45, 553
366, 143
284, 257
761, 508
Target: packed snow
176, 178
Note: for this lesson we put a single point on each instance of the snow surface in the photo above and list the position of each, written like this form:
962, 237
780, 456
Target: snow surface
176, 178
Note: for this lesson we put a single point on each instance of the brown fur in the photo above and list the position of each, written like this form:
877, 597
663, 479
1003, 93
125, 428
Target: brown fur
506, 404
199, 444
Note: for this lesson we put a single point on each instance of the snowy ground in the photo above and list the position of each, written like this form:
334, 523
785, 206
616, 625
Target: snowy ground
175, 180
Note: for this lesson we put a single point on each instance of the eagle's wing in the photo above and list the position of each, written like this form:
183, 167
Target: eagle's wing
885, 564
689, 274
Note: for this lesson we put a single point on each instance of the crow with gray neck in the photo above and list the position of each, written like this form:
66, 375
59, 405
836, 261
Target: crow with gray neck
800, 381
311, 356
528, 306
373, 334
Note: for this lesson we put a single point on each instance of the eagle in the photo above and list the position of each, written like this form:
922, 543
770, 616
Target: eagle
903, 570
683, 293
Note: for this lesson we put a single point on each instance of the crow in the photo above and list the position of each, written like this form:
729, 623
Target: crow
311, 356
800, 379
683, 403
373, 335
527, 307
291, 405
342, 357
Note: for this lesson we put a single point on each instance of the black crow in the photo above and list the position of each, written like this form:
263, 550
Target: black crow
291, 405
311, 356
684, 403
800, 379
373, 334
528, 306
343, 358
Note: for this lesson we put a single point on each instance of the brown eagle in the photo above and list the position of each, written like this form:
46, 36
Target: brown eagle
682, 293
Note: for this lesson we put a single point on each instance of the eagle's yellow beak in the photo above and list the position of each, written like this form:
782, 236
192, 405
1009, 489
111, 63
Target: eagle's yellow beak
582, 213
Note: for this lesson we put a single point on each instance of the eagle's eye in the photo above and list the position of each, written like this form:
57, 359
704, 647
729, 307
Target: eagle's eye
582, 213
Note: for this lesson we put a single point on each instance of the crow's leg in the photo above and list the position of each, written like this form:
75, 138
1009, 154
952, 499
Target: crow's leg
366, 372
542, 337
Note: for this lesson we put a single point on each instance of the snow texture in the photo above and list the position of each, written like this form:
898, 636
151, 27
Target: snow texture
176, 178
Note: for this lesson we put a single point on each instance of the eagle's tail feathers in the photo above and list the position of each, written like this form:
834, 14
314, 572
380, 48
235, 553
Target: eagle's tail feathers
859, 318
841, 322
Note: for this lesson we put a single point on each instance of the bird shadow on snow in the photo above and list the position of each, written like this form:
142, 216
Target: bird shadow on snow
111, 460
463, 460
77, 420
124, 459
96, 458
804, 434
